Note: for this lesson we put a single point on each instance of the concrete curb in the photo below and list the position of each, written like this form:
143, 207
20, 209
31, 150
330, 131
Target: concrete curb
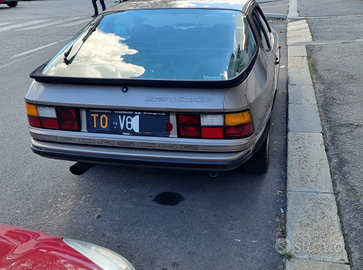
277, 16
313, 231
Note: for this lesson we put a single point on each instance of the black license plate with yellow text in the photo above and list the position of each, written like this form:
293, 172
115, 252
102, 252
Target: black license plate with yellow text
128, 122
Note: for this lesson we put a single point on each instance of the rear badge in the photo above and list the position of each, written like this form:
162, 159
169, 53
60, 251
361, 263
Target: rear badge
124, 89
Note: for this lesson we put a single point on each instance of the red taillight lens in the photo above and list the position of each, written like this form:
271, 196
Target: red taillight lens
239, 131
188, 119
67, 118
188, 125
66, 113
212, 132
189, 132
34, 121
68, 124
49, 123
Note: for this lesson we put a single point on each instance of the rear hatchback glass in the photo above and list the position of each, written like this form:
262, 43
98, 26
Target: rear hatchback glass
161, 44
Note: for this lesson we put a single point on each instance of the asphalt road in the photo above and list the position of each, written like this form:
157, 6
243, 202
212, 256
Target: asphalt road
336, 61
224, 221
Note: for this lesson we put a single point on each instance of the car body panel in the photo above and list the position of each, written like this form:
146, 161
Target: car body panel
10, 3
150, 99
252, 90
27, 250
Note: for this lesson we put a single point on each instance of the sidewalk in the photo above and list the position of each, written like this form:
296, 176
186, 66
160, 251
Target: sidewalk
314, 235
325, 131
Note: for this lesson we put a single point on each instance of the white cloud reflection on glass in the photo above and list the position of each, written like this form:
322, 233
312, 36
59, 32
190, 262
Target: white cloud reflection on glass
101, 56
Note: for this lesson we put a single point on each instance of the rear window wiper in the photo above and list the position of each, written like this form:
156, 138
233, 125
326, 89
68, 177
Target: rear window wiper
85, 36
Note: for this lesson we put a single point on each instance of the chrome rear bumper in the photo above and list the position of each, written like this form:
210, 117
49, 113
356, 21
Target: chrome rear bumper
142, 157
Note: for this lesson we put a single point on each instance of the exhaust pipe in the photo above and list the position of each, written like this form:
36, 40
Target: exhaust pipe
80, 168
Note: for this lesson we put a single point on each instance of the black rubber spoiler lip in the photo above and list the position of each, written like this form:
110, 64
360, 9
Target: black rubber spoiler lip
40, 77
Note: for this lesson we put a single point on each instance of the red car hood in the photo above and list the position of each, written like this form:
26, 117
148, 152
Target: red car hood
22, 249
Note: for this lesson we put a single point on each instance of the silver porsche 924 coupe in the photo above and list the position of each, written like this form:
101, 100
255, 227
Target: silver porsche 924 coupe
162, 84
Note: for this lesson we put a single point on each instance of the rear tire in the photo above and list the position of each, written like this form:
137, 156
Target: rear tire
259, 162
13, 4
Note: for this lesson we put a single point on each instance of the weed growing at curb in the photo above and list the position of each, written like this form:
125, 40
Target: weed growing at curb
357, 196
289, 255
311, 31
312, 66
280, 219
345, 124
326, 145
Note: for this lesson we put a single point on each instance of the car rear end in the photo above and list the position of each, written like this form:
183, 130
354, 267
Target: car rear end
184, 128
134, 89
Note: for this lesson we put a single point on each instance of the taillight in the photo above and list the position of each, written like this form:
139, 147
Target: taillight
49, 123
215, 126
212, 132
189, 132
238, 131
189, 119
66, 113
61, 118
188, 125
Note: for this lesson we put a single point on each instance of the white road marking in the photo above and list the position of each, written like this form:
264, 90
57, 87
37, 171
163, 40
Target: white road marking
4, 23
34, 50
50, 24
21, 25
75, 23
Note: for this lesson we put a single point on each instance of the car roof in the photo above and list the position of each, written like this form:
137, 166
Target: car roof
162, 4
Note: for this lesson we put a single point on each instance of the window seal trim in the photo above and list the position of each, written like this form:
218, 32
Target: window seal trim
38, 76
266, 35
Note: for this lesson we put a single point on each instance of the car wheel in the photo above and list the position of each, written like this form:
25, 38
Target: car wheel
13, 4
258, 163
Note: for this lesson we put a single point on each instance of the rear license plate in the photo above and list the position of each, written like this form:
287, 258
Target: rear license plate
128, 122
